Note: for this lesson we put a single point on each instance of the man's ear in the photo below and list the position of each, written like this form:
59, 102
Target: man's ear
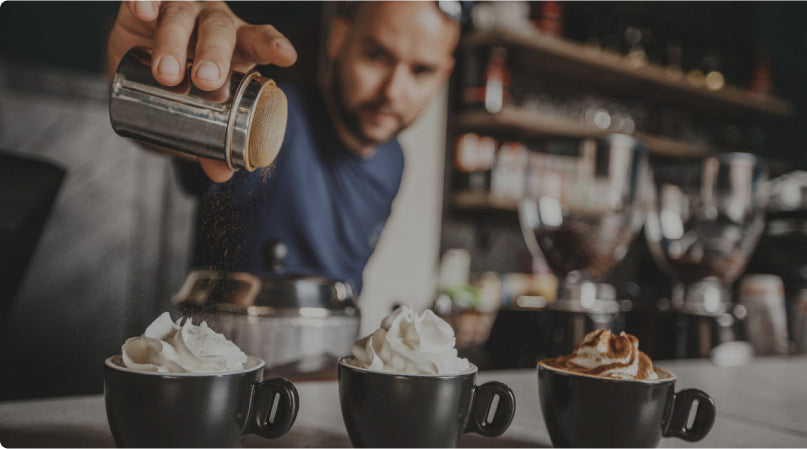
336, 36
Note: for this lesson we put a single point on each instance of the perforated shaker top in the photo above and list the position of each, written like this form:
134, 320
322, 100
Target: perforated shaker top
268, 126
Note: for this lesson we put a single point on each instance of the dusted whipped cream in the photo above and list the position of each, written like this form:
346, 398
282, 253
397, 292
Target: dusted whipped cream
410, 343
169, 347
604, 354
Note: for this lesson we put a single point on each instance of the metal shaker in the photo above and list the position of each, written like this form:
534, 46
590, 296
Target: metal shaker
242, 123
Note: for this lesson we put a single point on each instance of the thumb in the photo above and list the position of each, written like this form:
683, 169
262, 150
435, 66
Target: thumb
217, 171
145, 10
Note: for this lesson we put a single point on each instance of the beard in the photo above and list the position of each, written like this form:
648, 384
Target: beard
351, 116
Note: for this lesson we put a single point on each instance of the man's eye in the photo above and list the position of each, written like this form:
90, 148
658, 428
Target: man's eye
423, 71
377, 56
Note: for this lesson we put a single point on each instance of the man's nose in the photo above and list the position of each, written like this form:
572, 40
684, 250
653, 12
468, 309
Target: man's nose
397, 84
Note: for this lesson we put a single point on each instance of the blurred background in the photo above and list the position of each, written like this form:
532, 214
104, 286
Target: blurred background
95, 231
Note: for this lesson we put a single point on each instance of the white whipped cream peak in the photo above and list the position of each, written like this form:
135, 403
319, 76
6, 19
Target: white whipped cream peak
410, 343
177, 347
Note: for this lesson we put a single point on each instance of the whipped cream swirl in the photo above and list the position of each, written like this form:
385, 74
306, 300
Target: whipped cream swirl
410, 343
169, 347
604, 354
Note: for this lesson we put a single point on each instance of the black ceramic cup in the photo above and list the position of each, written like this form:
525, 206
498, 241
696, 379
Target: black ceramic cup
148, 409
404, 410
588, 411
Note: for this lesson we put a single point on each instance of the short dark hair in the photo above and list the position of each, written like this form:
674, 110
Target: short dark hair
457, 11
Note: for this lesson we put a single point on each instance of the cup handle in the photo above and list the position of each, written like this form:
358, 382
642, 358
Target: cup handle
682, 407
480, 409
261, 420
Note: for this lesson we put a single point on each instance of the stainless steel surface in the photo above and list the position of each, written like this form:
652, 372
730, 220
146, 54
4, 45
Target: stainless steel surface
245, 294
299, 325
292, 345
216, 124
758, 405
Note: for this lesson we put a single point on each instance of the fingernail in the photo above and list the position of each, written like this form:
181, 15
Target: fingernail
208, 71
286, 46
168, 65
144, 8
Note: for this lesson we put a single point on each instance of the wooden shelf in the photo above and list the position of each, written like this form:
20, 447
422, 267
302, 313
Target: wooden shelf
482, 200
572, 60
538, 124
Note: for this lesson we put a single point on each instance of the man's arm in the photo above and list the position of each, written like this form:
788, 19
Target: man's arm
207, 32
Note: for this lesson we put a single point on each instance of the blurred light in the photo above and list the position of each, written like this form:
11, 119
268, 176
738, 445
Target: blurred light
695, 77
313, 312
494, 96
672, 227
531, 302
715, 80
711, 299
602, 119
588, 295
550, 211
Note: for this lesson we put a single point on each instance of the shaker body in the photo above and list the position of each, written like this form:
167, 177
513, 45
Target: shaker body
212, 124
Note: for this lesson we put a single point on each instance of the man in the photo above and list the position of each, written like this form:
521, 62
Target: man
330, 189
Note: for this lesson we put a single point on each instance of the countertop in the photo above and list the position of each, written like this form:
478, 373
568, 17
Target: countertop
761, 404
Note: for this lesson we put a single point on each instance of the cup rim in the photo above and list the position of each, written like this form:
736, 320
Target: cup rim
110, 362
668, 375
343, 361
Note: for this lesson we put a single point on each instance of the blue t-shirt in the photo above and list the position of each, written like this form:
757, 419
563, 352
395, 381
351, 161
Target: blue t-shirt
324, 202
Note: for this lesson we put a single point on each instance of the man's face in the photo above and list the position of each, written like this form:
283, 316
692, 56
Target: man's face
389, 61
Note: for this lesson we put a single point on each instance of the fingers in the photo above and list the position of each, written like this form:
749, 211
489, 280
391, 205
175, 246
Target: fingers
222, 40
263, 44
174, 30
214, 47
217, 171
145, 10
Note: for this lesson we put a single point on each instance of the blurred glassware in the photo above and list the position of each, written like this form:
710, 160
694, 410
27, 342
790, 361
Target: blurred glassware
674, 60
800, 322
582, 208
636, 38
763, 296
705, 218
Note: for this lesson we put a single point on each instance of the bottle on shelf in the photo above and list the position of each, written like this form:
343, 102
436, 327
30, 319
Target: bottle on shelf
473, 160
550, 18
711, 65
636, 56
674, 59
762, 75
488, 88
497, 81
507, 175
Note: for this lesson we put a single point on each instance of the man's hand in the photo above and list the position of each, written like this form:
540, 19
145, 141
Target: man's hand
209, 33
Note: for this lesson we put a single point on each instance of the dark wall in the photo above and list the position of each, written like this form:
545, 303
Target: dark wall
782, 29
68, 34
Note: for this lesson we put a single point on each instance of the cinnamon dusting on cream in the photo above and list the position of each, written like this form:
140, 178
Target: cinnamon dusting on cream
607, 355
